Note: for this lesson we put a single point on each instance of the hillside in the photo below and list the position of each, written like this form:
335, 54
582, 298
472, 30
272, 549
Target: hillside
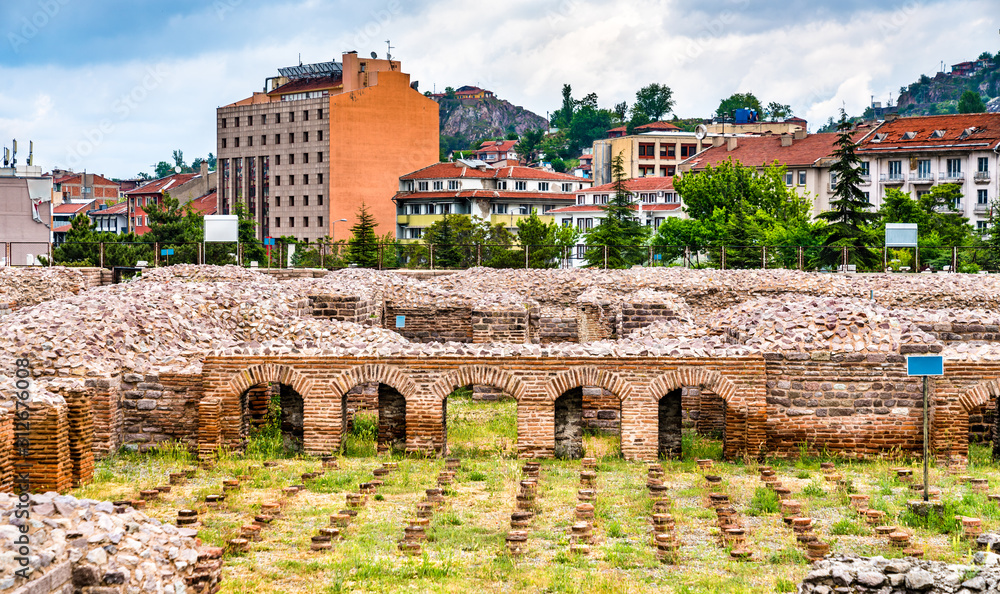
940, 94
465, 122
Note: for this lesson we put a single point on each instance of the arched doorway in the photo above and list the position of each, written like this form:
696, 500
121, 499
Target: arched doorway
479, 420
373, 420
587, 422
274, 412
669, 426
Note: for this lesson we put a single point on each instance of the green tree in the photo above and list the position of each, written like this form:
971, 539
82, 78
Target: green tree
179, 159
539, 238
971, 102
176, 227
589, 124
777, 111
621, 112
991, 239
362, 248
527, 146
563, 116
849, 216
79, 247
163, 169
675, 234
654, 100
456, 237
737, 101
619, 230
985, 56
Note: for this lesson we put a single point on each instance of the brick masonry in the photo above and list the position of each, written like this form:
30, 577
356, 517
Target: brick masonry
159, 408
430, 324
508, 326
346, 308
6, 451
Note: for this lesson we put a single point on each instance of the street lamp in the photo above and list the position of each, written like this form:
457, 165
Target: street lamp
333, 229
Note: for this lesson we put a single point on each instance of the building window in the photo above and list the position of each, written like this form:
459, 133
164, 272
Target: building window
223, 143
236, 142
671, 151
277, 201
277, 118
291, 201
499, 209
319, 157
422, 186
305, 221
439, 185
305, 136
319, 115
802, 177
319, 135
277, 139
895, 170
319, 201
581, 199
520, 186
789, 178
319, 178
291, 137
223, 123
277, 221
924, 169
263, 119
501, 185
981, 197
291, 221
954, 168
444, 209
263, 140
237, 121
277, 182
687, 150
249, 120
305, 157
305, 201
647, 151
277, 159
543, 186
291, 117
305, 179
305, 115
319, 222
291, 158
647, 170
567, 187
983, 165
663, 151
249, 140
868, 197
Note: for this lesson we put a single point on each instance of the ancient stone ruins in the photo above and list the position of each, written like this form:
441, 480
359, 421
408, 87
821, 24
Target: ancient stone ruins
770, 360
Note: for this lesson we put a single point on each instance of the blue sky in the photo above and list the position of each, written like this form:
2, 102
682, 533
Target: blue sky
114, 86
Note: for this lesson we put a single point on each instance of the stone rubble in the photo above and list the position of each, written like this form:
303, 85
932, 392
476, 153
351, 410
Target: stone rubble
23, 287
107, 546
863, 575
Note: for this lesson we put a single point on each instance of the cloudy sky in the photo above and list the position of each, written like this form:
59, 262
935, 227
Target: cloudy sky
113, 86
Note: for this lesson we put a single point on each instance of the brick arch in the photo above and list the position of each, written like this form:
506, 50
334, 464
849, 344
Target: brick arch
267, 373
486, 375
979, 395
711, 380
579, 377
374, 372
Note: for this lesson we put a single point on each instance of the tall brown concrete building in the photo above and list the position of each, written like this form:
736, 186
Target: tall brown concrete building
320, 140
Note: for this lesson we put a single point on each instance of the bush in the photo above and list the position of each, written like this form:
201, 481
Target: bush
765, 501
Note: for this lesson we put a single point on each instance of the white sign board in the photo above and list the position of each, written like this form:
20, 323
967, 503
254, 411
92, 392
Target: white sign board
222, 228
900, 235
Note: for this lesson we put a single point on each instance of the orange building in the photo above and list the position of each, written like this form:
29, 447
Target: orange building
320, 140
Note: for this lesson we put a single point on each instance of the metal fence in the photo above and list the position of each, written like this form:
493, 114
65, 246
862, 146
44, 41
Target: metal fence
422, 256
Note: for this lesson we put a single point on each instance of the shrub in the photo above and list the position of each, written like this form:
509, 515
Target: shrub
765, 501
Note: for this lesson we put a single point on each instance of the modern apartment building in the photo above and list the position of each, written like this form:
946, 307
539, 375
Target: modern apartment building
320, 140
651, 154
496, 194
25, 215
917, 153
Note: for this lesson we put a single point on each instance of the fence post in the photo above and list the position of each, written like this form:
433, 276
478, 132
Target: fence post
381, 251
916, 259
802, 259
50, 253
885, 258
763, 257
650, 256
432, 256
322, 251
687, 256
479, 255
525, 256
605, 257
239, 254
102, 254
954, 259
156, 254
723, 257
845, 258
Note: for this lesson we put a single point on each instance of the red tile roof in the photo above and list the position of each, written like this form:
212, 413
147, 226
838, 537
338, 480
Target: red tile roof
961, 132
120, 208
458, 170
492, 147
72, 208
635, 207
61, 228
207, 204
636, 184
75, 179
759, 151
163, 184
485, 194
654, 126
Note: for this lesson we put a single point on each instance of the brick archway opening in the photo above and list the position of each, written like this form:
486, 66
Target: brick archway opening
587, 412
375, 411
273, 409
670, 424
484, 419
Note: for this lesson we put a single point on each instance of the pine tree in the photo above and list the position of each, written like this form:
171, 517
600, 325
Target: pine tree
992, 241
362, 248
619, 230
849, 215
78, 247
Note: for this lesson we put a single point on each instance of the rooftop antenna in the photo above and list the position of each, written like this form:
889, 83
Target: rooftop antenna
13, 155
300, 58
388, 54
374, 56
31, 153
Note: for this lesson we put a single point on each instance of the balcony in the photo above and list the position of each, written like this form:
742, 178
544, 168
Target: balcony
892, 178
982, 208
956, 207
925, 177
982, 177
866, 180
952, 177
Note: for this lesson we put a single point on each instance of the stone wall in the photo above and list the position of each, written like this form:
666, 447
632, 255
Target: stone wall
846, 404
158, 408
346, 308
595, 322
558, 326
982, 422
711, 414
106, 406
569, 424
601, 410
509, 326
635, 316
6, 450
436, 324
392, 432
878, 575
47, 465
669, 424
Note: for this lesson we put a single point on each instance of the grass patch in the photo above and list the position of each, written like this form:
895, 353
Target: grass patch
765, 501
481, 429
848, 527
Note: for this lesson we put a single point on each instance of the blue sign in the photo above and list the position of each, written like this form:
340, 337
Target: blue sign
166, 252
268, 241
658, 257
400, 321
925, 365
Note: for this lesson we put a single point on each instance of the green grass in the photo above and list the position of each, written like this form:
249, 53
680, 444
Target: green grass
765, 501
479, 429
847, 526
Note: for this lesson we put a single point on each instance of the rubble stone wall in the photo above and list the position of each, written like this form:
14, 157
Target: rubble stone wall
635, 316
558, 329
596, 322
601, 410
6, 450
509, 326
346, 308
106, 408
158, 408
